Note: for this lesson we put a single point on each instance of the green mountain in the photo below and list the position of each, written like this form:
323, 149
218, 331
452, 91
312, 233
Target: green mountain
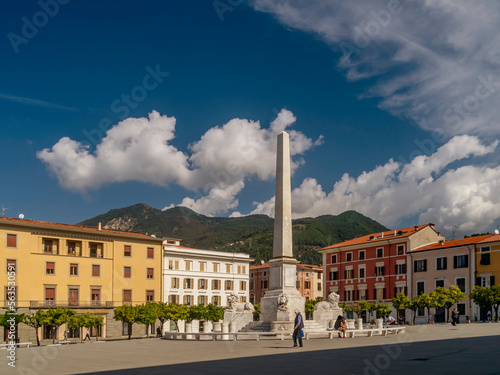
251, 234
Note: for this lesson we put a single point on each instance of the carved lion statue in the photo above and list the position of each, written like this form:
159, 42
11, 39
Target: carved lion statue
282, 302
332, 303
235, 306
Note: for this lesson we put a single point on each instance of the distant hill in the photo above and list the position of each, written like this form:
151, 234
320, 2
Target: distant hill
251, 234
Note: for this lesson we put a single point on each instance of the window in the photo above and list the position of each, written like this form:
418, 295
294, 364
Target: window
251, 285
50, 268
173, 298
441, 263
264, 284
439, 283
127, 295
361, 255
126, 329
202, 283
11, 265
50, 296
334, 275
11, 240
173, 264
188, 300
202, 300
461, 261
307, 284
73, 269
420, 288
149, 273
150, 253
243, 299
47, 246
216, 267
461, 309
243, 285
188, 265
239, 269
11, 295
348, 295
71, 248
127, 250
362, 294
96, 296
348, 257
362, 273
216, 300
127, 272
400, 290
188, 283
380, 293
228, 285
175, 282
400, 269
461, 284
243, 269
228, 268
349, 274
379, 271
73, 297
334, 258
420, 265
485, 256
93, 250
150, 295
203, 266
380, 252
319, 287
216, 284
96, 270
401, 249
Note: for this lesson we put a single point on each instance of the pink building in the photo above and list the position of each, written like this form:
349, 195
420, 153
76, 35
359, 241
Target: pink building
444, 264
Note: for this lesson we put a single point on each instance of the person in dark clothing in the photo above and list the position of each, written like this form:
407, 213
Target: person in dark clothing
298, 325
454, 317
338, 324
158, 332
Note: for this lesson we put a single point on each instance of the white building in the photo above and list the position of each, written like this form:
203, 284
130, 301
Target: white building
194, 277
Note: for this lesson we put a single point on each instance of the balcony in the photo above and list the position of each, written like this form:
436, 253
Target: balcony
71, 304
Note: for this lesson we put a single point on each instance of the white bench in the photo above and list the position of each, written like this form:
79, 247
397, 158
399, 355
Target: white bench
371, 331
4, 346
219, 335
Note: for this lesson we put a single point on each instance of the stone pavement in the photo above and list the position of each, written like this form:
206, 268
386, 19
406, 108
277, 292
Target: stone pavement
426, 349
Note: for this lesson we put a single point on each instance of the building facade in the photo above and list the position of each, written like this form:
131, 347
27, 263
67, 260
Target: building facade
374, 267
309, 281
202, 277
444, 264
487, 265
87, 269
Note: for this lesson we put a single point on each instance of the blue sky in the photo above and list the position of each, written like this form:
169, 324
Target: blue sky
391, 107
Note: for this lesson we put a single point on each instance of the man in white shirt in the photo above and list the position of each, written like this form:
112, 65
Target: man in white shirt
389, 320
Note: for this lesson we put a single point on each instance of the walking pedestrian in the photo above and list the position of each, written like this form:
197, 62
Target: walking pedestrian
158, 332
87, 335
298, 325
454, 317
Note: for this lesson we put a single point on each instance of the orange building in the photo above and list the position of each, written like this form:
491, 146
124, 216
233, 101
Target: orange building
309, 280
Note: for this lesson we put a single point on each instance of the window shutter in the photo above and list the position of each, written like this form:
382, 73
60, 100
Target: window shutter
406, 291
467, 260
383, 270
11, 240
445, 261
425, 265
95, 270
383, 294
455, 261
478, 281
151, 252
404, 269
415, 269
11, 263
395, 291
50, 293
375, 294
492, 280
396, 269
150, 272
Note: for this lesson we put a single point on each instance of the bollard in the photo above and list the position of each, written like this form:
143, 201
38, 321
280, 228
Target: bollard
225, 329
233, 328
360, 323
189, 329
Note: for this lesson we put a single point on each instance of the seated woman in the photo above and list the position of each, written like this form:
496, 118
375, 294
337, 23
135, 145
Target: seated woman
343, 327
337, 324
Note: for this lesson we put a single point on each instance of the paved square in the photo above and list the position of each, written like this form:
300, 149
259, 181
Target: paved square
426, 349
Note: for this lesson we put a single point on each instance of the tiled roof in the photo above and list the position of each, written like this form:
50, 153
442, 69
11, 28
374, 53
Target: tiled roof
70, 227
453, 243
266, 265
380, 236
259, 266
491, 238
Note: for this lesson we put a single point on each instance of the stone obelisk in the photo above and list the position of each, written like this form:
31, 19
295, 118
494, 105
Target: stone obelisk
280, 302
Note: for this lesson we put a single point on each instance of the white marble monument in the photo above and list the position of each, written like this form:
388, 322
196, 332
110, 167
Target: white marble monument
280, 302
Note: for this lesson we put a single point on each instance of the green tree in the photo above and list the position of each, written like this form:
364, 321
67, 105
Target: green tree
93, 321
160, 312
215, 313
400, 302
196, 312
425, 301
147, 314
383, 309
126, 314
495, 299
175, 312
413, 305
77, 322
358, 309
57, 317
449, 297
256, 313
9, 318
309, 307
37, 320
482, 297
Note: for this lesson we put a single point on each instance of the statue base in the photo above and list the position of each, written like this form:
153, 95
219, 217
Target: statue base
272, 310
241, 319
324, 317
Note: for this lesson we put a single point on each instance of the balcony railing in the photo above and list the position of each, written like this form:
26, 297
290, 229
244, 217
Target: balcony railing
72, 304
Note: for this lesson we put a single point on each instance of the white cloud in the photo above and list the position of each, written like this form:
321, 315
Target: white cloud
437, 61
465, 196
140, 149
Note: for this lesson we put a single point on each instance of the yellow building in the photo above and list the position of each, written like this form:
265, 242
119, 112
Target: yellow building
87, 269
487, 264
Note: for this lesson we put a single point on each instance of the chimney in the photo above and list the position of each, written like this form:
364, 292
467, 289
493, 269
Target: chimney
441, 242
99, 226
415, 227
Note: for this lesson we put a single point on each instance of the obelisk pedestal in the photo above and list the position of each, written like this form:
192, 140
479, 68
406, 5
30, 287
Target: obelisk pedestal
279, 303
